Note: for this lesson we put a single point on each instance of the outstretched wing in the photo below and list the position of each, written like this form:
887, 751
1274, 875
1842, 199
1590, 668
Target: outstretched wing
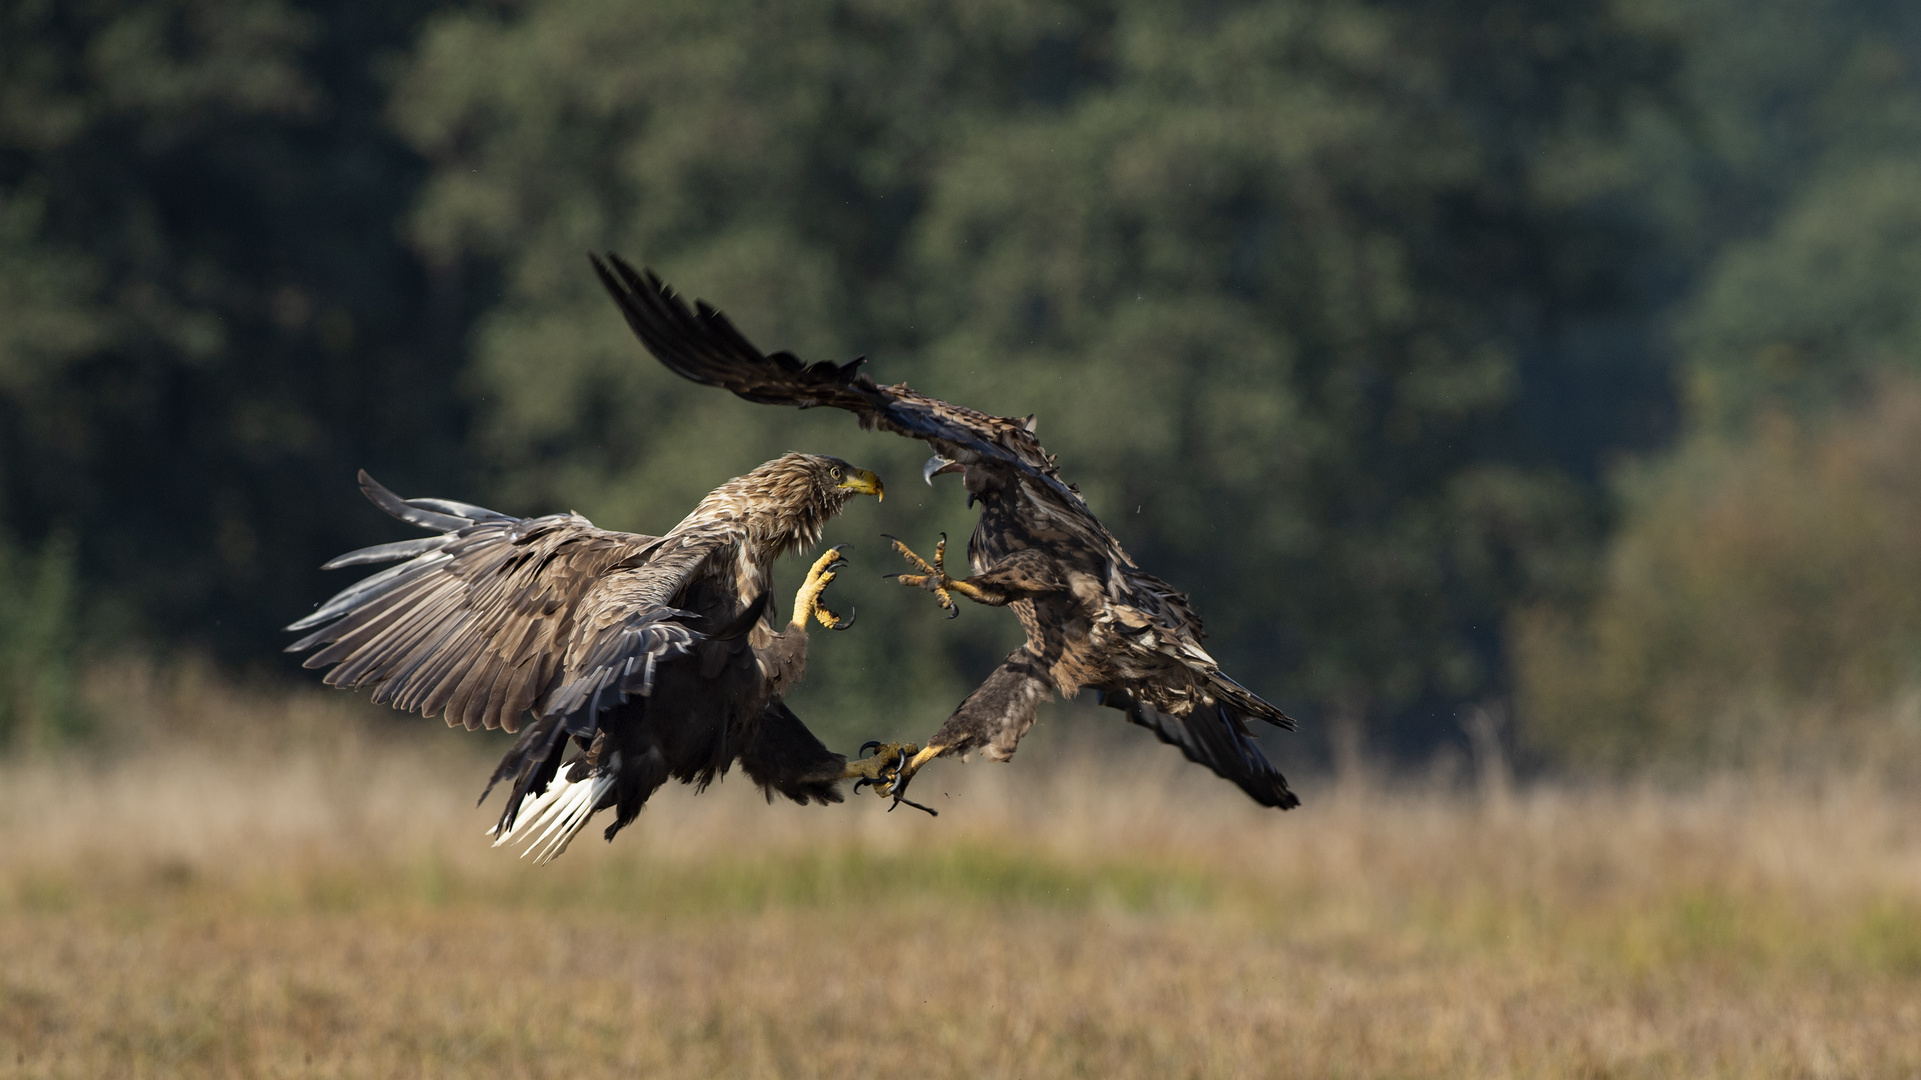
499, 615
702, 344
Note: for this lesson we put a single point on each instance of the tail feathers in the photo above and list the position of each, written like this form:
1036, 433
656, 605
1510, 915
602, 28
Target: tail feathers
531, 763
1247, 703
549, 821
1217, 737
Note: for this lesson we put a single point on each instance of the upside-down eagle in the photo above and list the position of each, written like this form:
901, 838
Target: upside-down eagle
1093, 618
656, 656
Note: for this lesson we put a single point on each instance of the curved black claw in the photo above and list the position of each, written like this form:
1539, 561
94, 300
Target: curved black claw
901, 799
887, 764
842, 624
953, 612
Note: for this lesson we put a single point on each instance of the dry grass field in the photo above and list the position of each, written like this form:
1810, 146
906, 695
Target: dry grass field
327, 906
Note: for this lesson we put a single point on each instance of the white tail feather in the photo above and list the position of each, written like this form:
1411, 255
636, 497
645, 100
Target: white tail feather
559, 813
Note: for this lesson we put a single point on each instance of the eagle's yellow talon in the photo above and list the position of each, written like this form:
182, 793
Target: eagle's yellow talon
933, 576
807, 599
832, 621
908, 553
881, 772
905, 773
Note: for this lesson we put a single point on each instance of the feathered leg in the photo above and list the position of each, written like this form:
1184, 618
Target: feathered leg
531, 763
991, 720
933, 576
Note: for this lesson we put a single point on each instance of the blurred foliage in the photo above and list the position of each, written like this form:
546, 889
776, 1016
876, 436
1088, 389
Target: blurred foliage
1788, 200
1760, 601
1759, 598
209, 320
1275, 278
1803, 317
1340, 311
40, 647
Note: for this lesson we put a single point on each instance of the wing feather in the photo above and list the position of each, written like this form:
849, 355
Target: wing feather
703, 345
495, 615
458, 509
363, 591
425, 517
403, 549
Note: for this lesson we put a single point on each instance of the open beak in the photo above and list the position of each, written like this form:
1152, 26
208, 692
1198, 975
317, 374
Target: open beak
863, 482
937, 465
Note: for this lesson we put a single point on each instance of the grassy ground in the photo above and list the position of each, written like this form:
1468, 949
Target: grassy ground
332, 909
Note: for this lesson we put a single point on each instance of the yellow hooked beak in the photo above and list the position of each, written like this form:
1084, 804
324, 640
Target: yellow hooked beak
863, 482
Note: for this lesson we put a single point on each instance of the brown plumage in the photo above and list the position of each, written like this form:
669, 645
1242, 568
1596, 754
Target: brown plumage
658, 656
1093, 618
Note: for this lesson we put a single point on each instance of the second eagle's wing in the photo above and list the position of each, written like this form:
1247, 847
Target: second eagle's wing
702, 344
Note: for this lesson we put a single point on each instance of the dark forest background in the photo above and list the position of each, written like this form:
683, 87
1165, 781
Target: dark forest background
1532, 368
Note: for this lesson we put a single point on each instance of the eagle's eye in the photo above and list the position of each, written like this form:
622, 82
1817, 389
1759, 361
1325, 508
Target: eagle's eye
836, 471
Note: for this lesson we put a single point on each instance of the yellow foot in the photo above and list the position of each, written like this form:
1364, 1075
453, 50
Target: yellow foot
807, 600
932, 577
878, 771
906, 773
889, 770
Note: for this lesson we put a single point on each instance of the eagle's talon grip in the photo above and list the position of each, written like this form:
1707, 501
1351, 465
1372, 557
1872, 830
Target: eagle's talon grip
807, 600
882, 771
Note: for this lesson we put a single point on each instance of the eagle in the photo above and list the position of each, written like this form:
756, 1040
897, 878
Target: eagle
1093, 619
656, 656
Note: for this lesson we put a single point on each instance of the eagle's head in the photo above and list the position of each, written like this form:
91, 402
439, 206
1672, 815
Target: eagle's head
836, 481
788, 501
987, 476
983, 478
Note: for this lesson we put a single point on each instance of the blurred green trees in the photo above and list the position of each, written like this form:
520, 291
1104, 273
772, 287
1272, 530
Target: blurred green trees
1342, 312
1759, 602
1273, 276
40, 647
1759, 597
208, 322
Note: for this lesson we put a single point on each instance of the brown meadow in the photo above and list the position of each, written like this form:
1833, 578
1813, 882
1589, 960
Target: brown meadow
314, 900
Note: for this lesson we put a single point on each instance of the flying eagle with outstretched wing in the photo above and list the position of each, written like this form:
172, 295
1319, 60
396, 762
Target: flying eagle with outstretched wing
656, 656
1094, 620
